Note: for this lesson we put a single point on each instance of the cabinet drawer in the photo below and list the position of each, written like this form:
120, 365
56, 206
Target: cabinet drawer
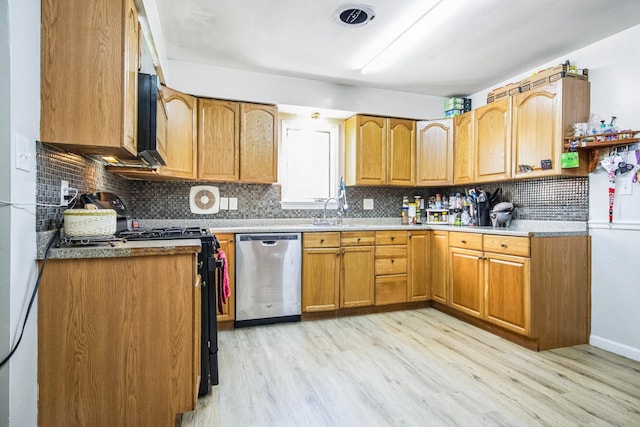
393, 237
391, 289
465, 240
358, 238
506, 245
391, 266
321, 240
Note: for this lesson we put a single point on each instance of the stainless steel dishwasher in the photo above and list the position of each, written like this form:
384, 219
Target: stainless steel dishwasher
268, 278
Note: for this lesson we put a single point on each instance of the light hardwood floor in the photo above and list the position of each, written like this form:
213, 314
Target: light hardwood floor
411, 368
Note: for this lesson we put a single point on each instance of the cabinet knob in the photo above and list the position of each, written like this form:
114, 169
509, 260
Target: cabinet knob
321, 240
392, 238
392, 261
230, 240
358, 239
504, 245
463, 241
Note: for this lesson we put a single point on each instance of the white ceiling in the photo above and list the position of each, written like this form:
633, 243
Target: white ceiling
464, 46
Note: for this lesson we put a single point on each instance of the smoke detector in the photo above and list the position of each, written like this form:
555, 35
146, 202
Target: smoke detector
354, 15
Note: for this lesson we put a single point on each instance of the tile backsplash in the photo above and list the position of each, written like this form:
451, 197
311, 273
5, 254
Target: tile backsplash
556, 198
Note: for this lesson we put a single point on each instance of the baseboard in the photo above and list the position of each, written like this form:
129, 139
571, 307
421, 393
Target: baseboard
615, 347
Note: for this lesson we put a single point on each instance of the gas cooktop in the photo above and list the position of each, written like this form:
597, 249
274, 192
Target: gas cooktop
165, 233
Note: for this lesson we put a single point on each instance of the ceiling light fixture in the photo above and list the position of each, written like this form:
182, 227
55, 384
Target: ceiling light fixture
439, 12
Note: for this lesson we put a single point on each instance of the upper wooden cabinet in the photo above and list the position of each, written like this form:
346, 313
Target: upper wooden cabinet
379, 151
365, 150
181, 135
541, 118
401, 152
492, 141
435, 153
90, 76
237, 142
463, 149
258, 143
218, 140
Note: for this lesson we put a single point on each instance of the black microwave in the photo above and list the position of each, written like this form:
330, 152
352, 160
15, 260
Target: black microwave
148, 119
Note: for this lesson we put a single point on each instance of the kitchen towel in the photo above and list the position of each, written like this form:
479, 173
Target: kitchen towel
225, 275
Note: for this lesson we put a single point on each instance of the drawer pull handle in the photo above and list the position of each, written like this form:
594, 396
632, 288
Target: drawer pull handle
358, 239
392, 261
392, 238
464, 241
504, 245
321, 240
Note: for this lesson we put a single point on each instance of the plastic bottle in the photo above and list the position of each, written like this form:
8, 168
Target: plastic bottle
405, 210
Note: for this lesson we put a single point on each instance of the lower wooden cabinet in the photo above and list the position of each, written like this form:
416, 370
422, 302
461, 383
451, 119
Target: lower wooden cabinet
228, 245
537, 287
419, 266
357, 276
440, 266
118, 340
320, 272
467, 281
508, 301
391, 267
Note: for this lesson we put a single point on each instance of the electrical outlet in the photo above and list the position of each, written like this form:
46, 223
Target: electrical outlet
64, 192
224, 203
233, 204
367, 204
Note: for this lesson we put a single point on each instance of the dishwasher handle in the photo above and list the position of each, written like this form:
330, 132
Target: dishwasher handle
268, 243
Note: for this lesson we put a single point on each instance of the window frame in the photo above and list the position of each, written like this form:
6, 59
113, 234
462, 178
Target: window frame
336, 152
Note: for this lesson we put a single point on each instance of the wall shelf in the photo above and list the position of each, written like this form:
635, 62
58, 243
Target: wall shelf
593, 143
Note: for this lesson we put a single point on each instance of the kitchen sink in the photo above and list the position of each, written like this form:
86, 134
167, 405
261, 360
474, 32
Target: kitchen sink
328, 222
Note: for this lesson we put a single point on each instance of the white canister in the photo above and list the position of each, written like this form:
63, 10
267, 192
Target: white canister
89, 222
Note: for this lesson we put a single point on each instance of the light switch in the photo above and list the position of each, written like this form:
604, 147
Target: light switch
367, 204
626, 186
24, 153
233, 204
224, 203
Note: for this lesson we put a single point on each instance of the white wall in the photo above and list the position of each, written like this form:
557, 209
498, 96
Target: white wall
24, 108
614, 72
226, 83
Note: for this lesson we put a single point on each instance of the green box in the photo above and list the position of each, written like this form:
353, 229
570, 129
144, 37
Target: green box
569, 160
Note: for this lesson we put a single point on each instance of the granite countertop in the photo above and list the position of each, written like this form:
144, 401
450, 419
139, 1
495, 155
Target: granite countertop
166, 247
518, 227
118, 250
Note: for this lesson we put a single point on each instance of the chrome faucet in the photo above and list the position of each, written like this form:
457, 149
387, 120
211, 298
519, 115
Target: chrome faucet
324, 210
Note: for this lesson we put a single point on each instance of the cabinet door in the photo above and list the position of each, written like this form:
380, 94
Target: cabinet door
463, 149
540, 121
366, 150
89, 83
492, 141
320, 279
401, 152
161, 127
435, 152
419, 259
258, 143
218, 140
439, 266
508, 300
131, 57
182, 143
467, 281
227, 244
357, 276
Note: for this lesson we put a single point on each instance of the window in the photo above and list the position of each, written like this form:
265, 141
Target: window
309, 163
